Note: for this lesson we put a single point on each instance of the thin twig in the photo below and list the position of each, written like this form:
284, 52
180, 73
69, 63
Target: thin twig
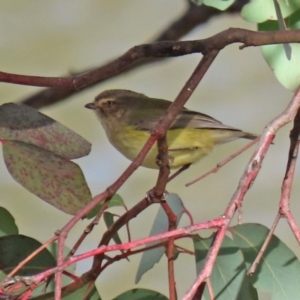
175, 174
31, 256
224, 162
264, 246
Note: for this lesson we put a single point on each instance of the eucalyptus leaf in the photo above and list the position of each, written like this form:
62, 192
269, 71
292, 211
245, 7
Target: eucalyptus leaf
229, 279
160, 225
54, 179
259, 11
109, 221
285, 67
15, 248
22, 123
279, 269
7, 223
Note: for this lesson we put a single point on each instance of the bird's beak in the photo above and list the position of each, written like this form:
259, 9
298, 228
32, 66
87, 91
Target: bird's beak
90, 106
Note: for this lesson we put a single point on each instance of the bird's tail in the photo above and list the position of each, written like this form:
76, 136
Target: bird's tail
249, 136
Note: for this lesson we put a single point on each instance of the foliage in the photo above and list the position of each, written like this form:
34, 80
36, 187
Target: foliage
38, 153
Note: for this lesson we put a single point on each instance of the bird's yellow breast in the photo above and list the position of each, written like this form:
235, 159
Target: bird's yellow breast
186, 145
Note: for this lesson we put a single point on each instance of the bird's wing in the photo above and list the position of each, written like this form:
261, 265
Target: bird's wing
186, 118
192, 119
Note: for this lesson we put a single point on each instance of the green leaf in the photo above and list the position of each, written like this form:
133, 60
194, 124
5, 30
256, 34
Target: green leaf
286, 70
228, 279
15, 248
141, 294
109, 221
259, 11
116, 200
219, 4
7, 223
54, 179
279, 270
88, 292
282, 26
160, 225
25, 124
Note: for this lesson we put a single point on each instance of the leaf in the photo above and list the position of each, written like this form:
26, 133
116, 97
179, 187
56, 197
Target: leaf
87, 292
219, 4
15, 248
228, 279
54, 179
259, 11
279, 270
160, 225
116, 200
286, 70
282, 26
141, 294
22, 123
7, 223
109, 221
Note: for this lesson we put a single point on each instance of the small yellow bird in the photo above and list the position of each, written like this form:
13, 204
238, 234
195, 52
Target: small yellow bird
127, 118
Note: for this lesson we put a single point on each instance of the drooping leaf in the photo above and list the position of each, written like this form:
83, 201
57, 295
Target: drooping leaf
22, 123
15, 248
7, 223
141, 294
279, 270
160, 225
228, 279
109, 221
54, 179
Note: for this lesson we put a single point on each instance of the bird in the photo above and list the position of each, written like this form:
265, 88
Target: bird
128, 118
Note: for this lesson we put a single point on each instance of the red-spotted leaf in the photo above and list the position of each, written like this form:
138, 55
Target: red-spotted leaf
25, 124
54, 179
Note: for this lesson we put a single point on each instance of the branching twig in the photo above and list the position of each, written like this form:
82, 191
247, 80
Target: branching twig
263, 248
192, 17
284, 206
147, 51
224, 162
157, 50
246, 181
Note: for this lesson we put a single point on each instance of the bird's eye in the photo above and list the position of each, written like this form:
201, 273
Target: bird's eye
109, 103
